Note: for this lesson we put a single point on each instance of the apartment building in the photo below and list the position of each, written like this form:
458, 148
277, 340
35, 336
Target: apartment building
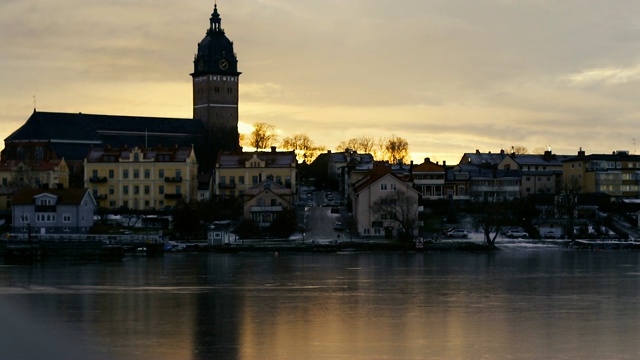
616, 174
141, 178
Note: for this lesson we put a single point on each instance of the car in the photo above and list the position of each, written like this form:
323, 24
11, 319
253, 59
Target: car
549, 234
338, 226
335, 210
517, 234
458, 233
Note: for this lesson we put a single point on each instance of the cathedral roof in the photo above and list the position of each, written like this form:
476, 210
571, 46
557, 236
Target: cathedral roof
73, 134
215, 52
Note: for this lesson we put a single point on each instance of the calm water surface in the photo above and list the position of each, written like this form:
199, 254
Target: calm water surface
544, 304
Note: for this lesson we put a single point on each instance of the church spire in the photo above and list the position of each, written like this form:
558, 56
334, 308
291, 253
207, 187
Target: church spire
215, 21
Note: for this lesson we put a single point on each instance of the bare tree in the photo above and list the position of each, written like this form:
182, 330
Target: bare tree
304, 147
263, 136
519, 149
363, 144
396, 149
567, 203
491, 217
399, 207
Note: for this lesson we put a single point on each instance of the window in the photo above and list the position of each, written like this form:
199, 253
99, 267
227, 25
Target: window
254, 179
366, 231
66, 217
125, 189
147, 173
178, 190
161, 173
125, 173
136, 174
111, 174
136, 189
24, 218
94, 173
178, 173
232, 179
112, 190
223, 180
241, 180
161, 190
147, 189
393, 187
383, 187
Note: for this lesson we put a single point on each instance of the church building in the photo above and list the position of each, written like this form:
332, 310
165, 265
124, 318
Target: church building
53, 136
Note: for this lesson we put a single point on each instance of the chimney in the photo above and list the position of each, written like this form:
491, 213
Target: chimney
427, 160
581, 152
273, 149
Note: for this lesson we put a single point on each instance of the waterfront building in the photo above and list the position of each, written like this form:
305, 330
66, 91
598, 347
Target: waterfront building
141, 178
52, 211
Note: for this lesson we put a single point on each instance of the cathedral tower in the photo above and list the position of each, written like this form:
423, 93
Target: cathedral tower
215, 86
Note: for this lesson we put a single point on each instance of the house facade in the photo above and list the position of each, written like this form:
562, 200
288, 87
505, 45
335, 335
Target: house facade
616, 174
237, 173
429, 180
52, 211
380, 183
541, 173
34, 174
141, 178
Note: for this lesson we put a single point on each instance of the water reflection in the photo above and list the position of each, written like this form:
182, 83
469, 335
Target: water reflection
516, 305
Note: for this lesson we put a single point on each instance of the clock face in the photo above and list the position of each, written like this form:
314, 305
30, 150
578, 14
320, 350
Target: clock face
201, 65
224, 64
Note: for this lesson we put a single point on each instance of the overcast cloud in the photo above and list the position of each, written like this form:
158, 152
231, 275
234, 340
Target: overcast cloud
450, 76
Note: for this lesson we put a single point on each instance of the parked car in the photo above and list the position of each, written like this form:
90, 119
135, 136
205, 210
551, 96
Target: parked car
549, 234
338, 226
517, 234
458, 233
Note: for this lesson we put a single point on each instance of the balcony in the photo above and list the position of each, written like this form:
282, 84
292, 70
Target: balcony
45, 208
98, 179
227, 186
175, 179
269, 209
173, 196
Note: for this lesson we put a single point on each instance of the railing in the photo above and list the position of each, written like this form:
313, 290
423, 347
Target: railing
98, 179
226, 186
175, 179
45, 208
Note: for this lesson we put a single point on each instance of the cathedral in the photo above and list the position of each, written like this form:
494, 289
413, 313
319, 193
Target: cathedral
52, 136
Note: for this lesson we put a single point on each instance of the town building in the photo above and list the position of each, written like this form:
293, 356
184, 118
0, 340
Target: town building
614, 174
141, 178
429, 180
263, 182
48, 136
52, 211
34, 173
541, 173
381, 185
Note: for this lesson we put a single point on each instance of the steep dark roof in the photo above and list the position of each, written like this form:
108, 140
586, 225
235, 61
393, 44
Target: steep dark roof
65, 196
72, 135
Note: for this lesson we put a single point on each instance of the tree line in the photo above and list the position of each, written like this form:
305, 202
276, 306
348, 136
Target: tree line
393, 149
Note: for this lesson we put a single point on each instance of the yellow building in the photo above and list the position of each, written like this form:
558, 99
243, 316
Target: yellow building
139, 179
245, 176
615, 174
34, 174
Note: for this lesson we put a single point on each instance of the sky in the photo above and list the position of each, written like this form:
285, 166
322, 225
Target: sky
449, 76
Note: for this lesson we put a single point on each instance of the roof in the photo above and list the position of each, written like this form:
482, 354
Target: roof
272, 159
158, 154
72, 134
479, 158
44, 165
428, 167
65, 196
378, 172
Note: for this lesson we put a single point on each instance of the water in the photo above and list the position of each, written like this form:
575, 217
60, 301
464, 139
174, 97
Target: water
540, 304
